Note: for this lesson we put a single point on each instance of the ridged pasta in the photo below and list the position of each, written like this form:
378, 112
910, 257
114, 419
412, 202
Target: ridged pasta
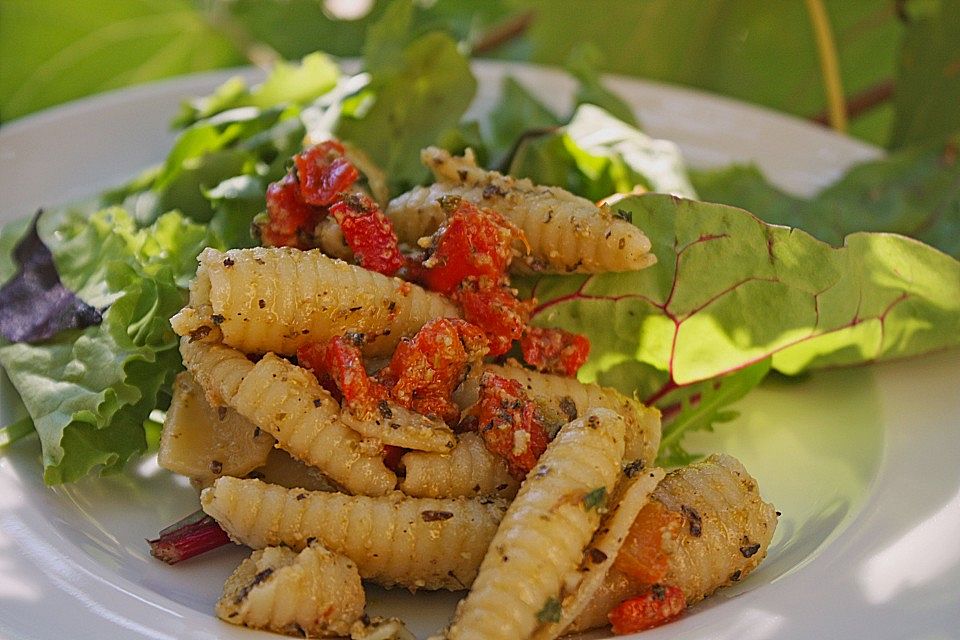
418, 543
203, 442
563, 399
736, 524
469, 469
543, 535
726, 530
277, 299
566, 233
308, 594
633, 492
399, 427
288, 402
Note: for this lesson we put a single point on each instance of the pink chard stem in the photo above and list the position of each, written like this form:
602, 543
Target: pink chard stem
192, 536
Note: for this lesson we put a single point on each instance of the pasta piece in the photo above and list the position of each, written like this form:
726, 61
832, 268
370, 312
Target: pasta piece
278, 299
311, 593
566, 233
203, 442
418, 543
469, 469
289, 403
400, 427
633, 492
543, 535
563, 399
725, 530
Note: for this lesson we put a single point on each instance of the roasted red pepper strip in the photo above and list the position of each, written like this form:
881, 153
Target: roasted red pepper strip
642, 556
554, 350
472, 244
324, 173
426, 369
291, 221
660, 604
497, 311
342, 361
510, 424
369, 233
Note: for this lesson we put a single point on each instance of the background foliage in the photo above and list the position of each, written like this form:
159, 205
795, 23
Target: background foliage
899, 60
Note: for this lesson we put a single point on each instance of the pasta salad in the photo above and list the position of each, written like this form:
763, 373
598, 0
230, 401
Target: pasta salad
457, 448
428, 374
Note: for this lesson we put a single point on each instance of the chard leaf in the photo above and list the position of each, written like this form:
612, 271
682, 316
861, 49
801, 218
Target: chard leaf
34, 304
409, 105
597, 155
730, 290
700, 406
914, 192
89, 392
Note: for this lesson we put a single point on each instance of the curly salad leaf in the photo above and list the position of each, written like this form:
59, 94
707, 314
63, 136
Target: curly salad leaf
88, 392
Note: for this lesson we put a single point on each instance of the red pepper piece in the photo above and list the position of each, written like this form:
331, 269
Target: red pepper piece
342, 361
554, 350
369, 233
425, 369
472, 243
291, 221
324, 172
497, 311
510, 424
659, 604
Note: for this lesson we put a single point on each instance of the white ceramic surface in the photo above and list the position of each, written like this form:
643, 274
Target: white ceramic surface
863, 463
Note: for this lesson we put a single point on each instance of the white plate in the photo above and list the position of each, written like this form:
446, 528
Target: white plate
863, 463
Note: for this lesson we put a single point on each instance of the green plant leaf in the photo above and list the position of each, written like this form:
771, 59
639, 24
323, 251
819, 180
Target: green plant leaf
518, 112
730, 290
597, 155
928, 79
914, 192
584, 62
52, 52
699, 407
413, 102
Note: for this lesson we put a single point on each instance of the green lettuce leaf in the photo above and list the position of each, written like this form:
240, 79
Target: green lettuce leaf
287, 83
730, 290
913, 192
596, 155
89, 392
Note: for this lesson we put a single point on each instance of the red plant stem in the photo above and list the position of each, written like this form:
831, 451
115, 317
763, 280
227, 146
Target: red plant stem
188, 540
